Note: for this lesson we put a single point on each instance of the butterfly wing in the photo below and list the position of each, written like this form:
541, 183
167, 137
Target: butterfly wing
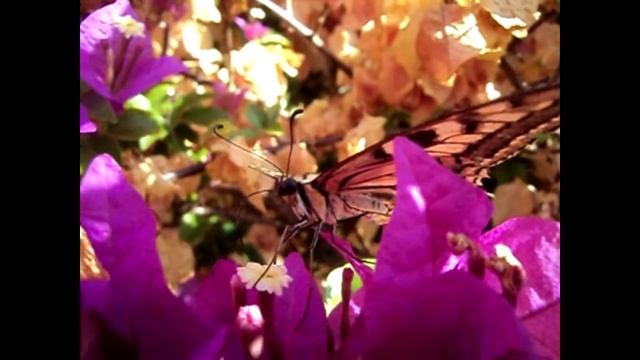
468, 142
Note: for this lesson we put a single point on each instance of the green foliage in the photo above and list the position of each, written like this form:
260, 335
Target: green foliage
132, 125
204, 115
396, 120
193, 227
99, 107
262, 120
511, 169
93, 145
183, 104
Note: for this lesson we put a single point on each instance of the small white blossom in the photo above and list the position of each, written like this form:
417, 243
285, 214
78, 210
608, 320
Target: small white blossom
273, 282
129, 26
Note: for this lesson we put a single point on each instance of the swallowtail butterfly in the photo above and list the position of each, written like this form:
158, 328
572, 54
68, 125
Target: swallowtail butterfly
467, 141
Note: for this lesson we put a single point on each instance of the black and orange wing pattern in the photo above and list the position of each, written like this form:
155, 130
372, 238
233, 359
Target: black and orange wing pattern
468, 141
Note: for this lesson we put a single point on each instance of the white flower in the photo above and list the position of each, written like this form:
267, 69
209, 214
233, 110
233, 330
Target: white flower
129, 26
274, 281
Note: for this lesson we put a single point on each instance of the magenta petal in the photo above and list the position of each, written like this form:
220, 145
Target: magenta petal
405, 240
409, 309
212, 349
450, 316
252, 30
99, 341
299, 316
430, 201
212, 300
118, 222
228, 101
122, 231
115, 66
224, 345
345, 249
452, 203
86, 125
98, 37
544, 329
356, 343
92, 71
96, 295
335, 317
149, 73
99, 24
165, 328
535, 242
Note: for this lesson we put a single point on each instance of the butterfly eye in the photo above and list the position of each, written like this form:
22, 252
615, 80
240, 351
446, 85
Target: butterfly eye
287, 187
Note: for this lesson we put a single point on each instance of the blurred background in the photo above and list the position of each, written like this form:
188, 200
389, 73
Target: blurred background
361, 69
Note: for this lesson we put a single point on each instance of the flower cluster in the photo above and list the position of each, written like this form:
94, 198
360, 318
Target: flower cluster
442, 286
117, 59
419, 301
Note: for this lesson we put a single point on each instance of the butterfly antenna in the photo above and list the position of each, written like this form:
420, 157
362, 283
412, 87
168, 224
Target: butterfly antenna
291, 120
256, 155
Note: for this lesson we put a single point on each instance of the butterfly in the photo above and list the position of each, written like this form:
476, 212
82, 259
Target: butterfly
467, 141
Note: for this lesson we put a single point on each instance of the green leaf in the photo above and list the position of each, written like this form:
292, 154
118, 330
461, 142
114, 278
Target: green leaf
396, 120
99, 107
507, 171
228, 129
543, 138
274, 39
175, 141
274, 129
204, 116
194, 227
138, 102
161, 103
252, 253
247, 133
228, 227
198, 155
133, 125
192, 197
86, 154
147, 141
257, 116
272, 113
158, 94
272, 126
105, 144
183, 104
190, 228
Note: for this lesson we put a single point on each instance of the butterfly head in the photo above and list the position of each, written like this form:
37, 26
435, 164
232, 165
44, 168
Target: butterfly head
286, 186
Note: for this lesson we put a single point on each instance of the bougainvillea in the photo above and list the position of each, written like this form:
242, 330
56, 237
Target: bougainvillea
178, 223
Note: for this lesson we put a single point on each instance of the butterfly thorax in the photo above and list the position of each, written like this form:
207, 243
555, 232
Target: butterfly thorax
286, 186
306, 202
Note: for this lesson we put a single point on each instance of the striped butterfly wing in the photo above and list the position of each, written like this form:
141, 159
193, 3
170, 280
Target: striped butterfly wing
468, 141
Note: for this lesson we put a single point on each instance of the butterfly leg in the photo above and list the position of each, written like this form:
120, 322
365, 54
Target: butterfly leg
314, 242
281, 242
289, 232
